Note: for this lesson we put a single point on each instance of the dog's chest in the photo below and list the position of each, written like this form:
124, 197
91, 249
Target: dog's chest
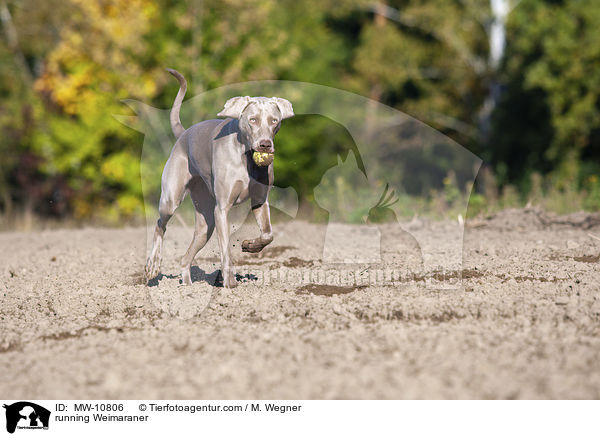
244, 193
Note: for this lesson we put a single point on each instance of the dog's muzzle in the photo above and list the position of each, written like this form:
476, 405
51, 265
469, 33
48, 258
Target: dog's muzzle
264, 146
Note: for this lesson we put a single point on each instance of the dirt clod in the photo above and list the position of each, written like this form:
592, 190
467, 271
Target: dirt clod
327, 290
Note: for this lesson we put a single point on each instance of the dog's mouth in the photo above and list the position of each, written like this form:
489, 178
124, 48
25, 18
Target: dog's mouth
259, 149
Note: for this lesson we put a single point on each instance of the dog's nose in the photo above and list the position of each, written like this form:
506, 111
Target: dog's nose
265, 146
265, 143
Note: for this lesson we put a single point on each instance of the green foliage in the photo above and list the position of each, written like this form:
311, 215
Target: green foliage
62, 79
427, 59
549, 117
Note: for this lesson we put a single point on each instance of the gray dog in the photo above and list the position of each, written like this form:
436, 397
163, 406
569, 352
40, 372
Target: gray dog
212, 160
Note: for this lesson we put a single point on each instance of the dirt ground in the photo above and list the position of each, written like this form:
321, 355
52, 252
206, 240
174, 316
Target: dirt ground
76, 321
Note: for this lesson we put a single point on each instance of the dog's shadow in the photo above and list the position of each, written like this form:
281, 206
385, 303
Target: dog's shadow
199, 275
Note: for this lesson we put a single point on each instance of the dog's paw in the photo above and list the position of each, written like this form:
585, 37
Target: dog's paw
186, 276
251, 247
254, 245
151, 270
230, 282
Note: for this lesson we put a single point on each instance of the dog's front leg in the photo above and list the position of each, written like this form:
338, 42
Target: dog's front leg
222, 225
263, 219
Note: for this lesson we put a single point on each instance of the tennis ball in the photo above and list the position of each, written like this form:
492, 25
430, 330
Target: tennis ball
262, 159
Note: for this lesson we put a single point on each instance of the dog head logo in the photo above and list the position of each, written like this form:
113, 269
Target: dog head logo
26, 415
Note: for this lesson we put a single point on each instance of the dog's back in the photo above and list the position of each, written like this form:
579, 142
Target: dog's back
196, 145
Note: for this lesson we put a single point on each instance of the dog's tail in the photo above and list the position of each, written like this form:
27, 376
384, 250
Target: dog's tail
176, 125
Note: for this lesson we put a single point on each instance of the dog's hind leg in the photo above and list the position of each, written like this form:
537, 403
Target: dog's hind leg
174, 182
204, 204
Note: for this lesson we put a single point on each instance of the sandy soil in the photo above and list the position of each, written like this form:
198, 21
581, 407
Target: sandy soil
77, 322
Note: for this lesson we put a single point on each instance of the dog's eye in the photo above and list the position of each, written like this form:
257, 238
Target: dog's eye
252, 120
274, 121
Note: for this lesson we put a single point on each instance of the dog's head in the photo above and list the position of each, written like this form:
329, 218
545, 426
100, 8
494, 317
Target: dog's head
259, 119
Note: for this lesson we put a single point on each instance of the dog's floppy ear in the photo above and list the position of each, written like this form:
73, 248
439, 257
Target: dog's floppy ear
285, 107
234, 107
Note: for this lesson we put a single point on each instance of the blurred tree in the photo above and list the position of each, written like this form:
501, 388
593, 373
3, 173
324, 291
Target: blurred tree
549, 118
27, 37
98, 60
428, 58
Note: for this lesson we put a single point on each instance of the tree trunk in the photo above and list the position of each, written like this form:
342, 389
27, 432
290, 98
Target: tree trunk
375, 92
12, 39
497, 44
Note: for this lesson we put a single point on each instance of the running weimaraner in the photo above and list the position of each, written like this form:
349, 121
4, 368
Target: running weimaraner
212, 160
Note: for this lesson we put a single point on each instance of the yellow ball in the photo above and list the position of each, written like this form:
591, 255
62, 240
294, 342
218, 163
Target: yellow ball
262, 159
